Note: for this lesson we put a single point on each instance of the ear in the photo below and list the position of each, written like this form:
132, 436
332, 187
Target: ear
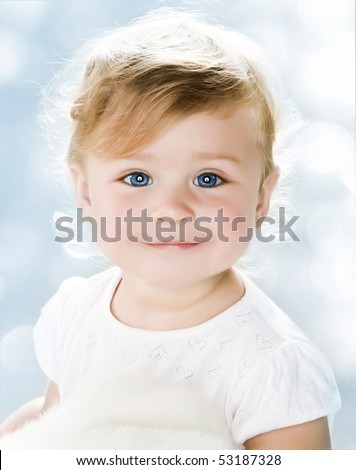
265, 193
80, 187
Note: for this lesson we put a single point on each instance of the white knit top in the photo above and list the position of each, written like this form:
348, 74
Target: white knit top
254, 364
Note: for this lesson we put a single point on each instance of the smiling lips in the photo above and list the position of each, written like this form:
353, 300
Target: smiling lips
173, 244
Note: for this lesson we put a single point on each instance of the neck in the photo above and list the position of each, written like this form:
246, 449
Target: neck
143, 305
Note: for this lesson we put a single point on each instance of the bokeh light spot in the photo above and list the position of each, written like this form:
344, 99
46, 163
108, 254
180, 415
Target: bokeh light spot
17, 351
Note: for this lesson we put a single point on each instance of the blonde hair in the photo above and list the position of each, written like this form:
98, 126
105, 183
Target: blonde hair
141, 78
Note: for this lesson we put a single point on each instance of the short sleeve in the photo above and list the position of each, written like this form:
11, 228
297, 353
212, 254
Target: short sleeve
48, 331
291, 385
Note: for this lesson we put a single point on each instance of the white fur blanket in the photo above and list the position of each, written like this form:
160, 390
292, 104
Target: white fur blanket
126, 413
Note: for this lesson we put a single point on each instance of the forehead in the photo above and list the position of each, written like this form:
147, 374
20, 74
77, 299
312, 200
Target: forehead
225, 138
206, 136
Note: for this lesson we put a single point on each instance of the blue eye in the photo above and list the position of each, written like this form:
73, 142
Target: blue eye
208, 180
137, 179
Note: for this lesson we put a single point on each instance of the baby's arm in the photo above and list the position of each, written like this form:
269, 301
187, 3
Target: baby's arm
31, 410
313, 435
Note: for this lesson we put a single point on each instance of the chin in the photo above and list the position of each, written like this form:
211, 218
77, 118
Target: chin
174, 278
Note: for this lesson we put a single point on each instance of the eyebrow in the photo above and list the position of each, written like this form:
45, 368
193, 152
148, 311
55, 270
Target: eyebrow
197, 155
217, 156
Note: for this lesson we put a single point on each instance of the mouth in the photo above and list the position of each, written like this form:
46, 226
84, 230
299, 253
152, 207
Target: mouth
173, 245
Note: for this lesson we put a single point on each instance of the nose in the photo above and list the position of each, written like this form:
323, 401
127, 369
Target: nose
175, 204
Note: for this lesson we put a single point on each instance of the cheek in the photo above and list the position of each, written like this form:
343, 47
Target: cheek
109, 203
233, 213
233, 237
107, 210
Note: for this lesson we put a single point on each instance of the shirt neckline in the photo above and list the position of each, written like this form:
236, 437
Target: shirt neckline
177, 333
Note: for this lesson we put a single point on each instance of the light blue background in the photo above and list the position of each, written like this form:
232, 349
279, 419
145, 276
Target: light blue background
310, 44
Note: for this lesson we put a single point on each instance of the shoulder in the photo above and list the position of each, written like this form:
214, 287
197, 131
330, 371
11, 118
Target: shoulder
258, 332
276, 338
74, 294
98, 281
280, 348
83, 290
64, 314
280, 378
262, 324
87, 290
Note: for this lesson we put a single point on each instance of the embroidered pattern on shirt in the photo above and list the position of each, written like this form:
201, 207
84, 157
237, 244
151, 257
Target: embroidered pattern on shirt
129, 356
214, 373
184, 373
158, 352
227, 344
197, 345
262, 342
242, 318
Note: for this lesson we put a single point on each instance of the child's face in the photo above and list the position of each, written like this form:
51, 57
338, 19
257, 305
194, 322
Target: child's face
180, 179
